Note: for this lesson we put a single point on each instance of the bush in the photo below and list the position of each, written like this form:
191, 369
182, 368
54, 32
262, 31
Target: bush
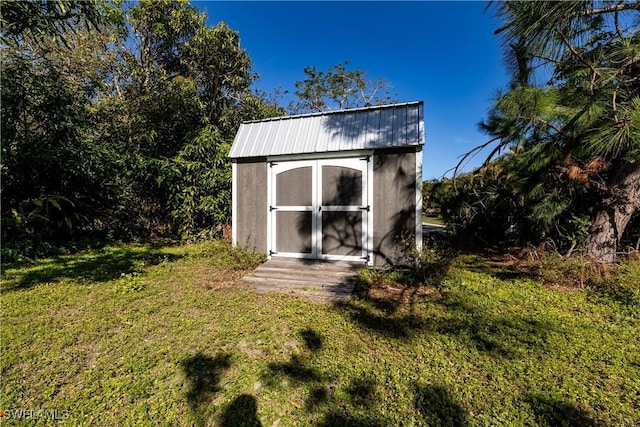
428, 266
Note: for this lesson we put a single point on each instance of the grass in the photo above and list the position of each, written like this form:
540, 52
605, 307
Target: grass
433, 220
165, 336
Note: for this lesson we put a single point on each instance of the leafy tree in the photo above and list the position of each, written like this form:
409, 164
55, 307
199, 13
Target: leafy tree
201, 177
582, 122
56, 180
119, 120
338, 88
429, 199
172, 40
161, 31
189, 91
256, 105
40, 20
221, 70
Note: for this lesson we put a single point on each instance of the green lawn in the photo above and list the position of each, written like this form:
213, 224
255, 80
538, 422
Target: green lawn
142, 335
433, 220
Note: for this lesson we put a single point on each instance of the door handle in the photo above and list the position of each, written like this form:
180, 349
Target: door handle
319, 208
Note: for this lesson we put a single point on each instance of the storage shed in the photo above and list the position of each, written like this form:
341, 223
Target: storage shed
340, 185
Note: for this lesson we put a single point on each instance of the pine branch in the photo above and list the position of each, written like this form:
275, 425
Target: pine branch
579, 56
617, 8
477, 149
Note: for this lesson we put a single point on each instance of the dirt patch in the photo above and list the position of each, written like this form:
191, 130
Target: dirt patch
212, 278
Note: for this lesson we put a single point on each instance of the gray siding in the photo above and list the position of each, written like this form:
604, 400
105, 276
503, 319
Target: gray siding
394, 204
251, 229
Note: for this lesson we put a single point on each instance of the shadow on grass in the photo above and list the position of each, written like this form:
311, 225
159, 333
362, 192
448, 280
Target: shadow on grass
242, 412
312, 340
496, 266
413, 309
435, 405
92, 267
203, 374
616, 292
356, 400
361, 408
363, 391
504, 335
297, 370
438, 407
509, 335
552, 412
383, 321
385, 301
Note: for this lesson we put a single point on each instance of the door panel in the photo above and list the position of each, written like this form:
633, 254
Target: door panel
292, 211
342, 224
341, 186
294, 232
294, 187
342, 233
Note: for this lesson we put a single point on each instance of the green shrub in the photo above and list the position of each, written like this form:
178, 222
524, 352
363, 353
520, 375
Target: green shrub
427, 266
574, 271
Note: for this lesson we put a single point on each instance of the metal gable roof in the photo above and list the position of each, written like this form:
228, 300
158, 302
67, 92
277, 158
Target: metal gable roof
385, 126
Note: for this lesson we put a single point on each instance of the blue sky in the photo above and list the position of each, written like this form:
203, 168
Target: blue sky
442, 53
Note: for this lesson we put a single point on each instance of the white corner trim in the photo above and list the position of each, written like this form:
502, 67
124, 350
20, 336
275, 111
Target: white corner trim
270, 215
372, 208
234, 203
419, 154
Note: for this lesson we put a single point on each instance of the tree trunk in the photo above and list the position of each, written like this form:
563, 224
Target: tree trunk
614, 212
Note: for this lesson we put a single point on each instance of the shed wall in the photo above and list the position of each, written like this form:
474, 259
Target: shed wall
251, 227
394, 204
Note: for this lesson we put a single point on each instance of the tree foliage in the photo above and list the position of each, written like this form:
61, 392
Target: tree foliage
515, 201
338, 88
571, 115
201, 179
123, 128
41, 20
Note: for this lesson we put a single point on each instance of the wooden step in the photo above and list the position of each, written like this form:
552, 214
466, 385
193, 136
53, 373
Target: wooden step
299, 284
317, 280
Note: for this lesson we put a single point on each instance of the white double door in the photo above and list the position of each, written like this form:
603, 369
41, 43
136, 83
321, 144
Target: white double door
319, 209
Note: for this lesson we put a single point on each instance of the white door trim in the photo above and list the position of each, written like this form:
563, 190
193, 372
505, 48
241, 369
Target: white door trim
356, 163
280, 164
272, 232
320, 156
418, 157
